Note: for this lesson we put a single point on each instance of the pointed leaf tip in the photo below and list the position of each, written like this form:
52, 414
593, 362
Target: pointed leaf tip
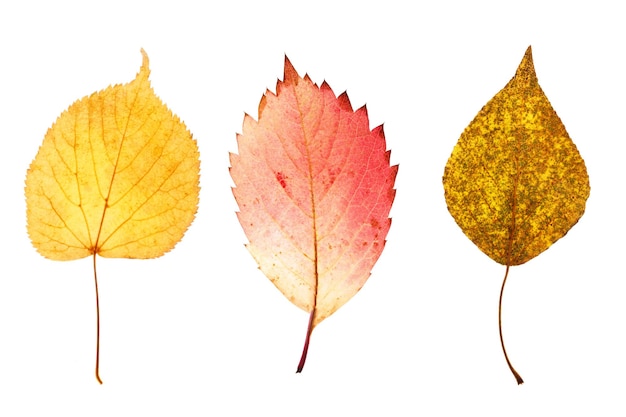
289, 75
145, 63
261, 105
344, 102
145, 60
525, 73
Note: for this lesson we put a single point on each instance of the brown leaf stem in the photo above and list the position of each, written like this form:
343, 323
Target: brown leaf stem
95, 278
517, 376
305, 350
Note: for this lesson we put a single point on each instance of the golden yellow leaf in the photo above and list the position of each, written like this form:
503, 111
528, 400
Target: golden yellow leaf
117, 175
515, 182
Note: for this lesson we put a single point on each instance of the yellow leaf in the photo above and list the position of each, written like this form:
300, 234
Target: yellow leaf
515, 182
117, 175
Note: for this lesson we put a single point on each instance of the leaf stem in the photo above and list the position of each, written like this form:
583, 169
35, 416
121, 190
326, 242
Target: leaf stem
517, 376
95, 278
305, 350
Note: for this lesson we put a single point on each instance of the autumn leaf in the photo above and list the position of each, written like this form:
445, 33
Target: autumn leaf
117, 176
314, 189
515, 182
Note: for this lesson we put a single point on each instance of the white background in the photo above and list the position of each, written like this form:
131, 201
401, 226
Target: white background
201, 331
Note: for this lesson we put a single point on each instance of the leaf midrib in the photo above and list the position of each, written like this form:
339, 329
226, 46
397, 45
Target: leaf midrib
313, 204
115, 165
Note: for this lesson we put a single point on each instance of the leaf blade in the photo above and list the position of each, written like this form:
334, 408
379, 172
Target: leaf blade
117, 174
515, 182
314, 188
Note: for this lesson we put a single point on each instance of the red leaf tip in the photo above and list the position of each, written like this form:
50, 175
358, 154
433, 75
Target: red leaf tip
344, 101
290, 75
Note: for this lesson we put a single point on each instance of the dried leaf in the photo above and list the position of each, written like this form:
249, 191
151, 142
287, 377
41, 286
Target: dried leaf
117, 176
314, 188
515, 182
